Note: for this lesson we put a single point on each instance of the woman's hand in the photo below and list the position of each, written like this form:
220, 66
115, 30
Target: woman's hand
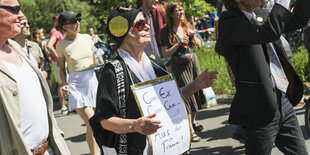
65, 89
146, 125
205, 79
185, 40
190, 33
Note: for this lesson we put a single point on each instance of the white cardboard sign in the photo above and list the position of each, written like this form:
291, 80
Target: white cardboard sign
163, 98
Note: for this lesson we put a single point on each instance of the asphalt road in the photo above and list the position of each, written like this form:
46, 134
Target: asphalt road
216, 136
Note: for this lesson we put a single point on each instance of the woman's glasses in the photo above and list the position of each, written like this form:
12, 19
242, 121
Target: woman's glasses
140, 25
74, 21
14, 9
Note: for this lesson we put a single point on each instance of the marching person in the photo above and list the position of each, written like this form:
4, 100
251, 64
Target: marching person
267, 87
119, 127
76, 50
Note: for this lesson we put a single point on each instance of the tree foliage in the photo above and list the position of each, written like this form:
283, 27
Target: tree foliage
195, 8
94, 12
40, 12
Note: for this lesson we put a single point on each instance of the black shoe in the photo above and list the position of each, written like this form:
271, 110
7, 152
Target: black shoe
197, 128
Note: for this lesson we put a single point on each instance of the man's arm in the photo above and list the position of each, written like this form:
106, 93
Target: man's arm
236, 29
51, 48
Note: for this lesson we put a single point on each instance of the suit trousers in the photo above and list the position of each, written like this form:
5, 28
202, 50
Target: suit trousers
283, 131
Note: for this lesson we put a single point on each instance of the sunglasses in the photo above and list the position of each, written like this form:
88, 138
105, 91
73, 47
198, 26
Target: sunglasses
14, 9
74, 21
25, 23
140, 25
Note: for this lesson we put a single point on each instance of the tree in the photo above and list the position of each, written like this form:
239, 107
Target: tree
40, 12
196, 8
102, 8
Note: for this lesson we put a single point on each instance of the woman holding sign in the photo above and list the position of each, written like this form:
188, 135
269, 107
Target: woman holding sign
118, 125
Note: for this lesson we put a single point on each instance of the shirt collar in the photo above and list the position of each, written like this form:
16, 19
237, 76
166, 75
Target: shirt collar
249, 15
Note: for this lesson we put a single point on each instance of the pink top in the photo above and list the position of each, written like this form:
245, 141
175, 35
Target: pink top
59, 37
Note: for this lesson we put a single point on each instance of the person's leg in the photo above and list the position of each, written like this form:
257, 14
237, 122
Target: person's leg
290, 139
86, 113
195, 137
260, 140
61, 97
237, 134
196, 126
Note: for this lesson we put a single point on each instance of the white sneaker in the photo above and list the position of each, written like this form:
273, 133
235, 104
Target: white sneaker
64, 111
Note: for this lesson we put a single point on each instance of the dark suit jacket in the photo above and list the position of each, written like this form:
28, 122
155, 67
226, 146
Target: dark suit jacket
243, 45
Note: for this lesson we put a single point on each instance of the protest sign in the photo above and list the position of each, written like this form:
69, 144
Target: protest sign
162, 96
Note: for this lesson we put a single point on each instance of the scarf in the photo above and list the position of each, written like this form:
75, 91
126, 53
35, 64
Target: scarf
144, 73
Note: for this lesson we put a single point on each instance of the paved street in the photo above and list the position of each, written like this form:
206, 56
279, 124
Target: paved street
215, 136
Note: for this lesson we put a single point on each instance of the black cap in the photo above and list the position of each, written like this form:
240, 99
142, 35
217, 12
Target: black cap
67, 16
120, 21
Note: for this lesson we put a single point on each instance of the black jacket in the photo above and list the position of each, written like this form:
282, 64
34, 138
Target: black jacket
243, 45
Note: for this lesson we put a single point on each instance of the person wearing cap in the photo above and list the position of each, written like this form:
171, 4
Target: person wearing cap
117, 123
76, 50
28, 125
267, 86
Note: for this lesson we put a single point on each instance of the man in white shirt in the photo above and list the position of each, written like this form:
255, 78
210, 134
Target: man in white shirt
27, 122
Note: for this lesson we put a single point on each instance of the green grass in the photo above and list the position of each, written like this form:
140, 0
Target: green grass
299, 62
208, 58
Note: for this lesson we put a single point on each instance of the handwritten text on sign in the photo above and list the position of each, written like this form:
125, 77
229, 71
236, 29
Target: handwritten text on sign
163, 98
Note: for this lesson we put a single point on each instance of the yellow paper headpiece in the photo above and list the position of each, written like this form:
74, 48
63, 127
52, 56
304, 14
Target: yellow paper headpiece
118, 26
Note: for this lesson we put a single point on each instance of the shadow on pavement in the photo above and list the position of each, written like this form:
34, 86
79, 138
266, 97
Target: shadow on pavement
223, 150
224, 132
77, 138
212, 113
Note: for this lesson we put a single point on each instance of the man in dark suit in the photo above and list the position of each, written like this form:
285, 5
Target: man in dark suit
267, 87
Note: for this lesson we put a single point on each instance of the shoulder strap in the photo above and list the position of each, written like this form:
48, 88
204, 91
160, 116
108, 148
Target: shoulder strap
120, 81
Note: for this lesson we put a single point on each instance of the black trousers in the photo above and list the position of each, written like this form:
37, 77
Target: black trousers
284, 131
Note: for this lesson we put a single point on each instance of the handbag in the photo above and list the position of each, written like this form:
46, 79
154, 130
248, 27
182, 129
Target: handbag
183, 57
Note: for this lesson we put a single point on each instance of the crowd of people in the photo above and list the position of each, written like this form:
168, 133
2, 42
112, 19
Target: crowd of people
152, 40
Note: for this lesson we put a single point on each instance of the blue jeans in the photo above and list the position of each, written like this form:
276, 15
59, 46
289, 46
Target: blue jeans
283, 131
